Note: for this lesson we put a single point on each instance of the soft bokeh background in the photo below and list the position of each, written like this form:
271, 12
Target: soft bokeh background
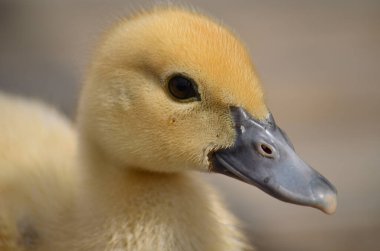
319, 62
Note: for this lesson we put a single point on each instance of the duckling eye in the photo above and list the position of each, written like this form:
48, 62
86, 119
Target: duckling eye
183, 88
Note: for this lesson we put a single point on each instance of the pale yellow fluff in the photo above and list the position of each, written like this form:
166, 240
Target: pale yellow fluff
128, 184
37, 175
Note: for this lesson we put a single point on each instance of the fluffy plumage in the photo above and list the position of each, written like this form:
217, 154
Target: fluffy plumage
37, 172
128, 185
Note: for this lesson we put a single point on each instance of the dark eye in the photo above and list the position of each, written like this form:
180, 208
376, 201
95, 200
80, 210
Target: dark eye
182, 88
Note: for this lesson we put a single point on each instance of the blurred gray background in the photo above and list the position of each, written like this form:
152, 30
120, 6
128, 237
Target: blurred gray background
319, 62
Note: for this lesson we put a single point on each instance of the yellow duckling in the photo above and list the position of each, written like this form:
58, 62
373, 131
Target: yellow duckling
168, 91
38, 174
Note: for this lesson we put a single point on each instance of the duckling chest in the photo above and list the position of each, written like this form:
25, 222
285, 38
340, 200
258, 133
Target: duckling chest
164, 227
158, 213
177, 223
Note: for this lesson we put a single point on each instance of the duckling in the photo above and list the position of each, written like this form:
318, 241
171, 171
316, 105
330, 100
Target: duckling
37, 156
169, 92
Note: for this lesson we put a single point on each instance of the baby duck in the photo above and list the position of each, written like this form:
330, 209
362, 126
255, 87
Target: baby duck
168, 91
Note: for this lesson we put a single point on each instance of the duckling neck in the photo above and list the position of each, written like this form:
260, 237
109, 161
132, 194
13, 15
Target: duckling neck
141, 210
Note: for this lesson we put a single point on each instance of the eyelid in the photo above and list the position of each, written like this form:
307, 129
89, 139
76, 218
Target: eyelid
192, 81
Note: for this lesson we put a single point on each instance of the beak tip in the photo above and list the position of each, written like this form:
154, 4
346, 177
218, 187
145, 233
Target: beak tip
331, 204
325, 195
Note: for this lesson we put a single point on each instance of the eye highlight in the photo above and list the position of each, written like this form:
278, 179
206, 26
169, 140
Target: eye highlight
183, 88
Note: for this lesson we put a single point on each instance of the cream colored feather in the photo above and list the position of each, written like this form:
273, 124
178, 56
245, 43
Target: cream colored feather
126, 182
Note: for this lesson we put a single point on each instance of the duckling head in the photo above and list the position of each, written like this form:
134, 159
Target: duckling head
170, 90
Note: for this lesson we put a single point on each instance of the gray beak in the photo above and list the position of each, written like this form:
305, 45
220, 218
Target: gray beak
264, 157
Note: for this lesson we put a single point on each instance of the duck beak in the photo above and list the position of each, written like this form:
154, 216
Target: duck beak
264, 157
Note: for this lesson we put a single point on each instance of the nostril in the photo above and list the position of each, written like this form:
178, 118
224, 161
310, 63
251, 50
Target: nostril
266, 150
